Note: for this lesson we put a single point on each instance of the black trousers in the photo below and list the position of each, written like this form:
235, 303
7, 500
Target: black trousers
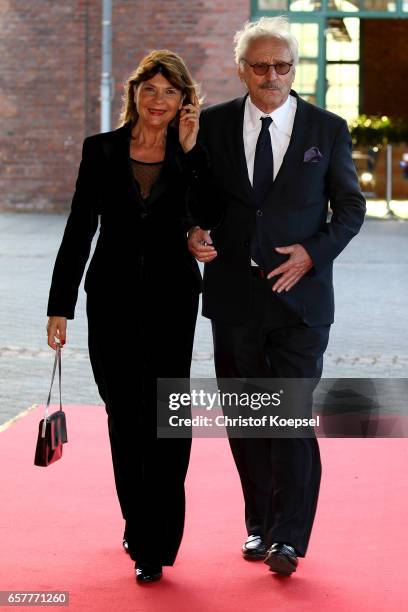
280, 477
130, 346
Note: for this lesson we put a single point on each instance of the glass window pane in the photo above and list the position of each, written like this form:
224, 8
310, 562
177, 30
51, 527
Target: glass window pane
272, 5
342, 90
379, 5
405, 5
344, 5
309, 98
343, 39
333, 5
307, 35
306, 78
305, 5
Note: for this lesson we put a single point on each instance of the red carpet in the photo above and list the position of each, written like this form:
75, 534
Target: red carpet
61, 529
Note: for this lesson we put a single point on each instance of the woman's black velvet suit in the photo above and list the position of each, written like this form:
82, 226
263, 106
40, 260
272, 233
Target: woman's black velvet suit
142, 289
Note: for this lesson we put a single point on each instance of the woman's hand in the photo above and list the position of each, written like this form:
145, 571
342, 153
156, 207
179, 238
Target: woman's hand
188, 126
56, 326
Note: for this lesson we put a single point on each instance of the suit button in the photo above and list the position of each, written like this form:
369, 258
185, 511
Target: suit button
259, 212
143, 215
246, 243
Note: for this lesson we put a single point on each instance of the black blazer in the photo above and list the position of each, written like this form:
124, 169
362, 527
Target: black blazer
133, 236
294, 210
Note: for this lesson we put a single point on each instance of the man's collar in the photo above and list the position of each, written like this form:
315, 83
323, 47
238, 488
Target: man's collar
279, 116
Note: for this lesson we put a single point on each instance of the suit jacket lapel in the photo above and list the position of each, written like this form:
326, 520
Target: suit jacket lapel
236, 153
295, 151
170, 170
118, 153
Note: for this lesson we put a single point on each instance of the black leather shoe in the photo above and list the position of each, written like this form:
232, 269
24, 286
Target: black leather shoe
148, 573
254, 548
281, 559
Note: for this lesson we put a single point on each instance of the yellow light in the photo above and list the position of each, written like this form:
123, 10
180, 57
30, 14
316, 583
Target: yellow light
366, 177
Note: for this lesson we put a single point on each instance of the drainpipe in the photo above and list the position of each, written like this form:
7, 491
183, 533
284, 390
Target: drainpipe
106, 75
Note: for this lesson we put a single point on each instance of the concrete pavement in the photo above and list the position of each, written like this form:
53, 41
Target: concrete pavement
369, 338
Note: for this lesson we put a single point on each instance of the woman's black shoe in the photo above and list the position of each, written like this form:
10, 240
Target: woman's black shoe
148, 573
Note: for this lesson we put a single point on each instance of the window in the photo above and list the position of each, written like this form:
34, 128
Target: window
342, 70
305, 83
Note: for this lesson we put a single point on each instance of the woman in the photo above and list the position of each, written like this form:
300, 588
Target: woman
142, 292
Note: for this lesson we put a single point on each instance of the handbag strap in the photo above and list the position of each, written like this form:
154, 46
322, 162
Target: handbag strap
56, 360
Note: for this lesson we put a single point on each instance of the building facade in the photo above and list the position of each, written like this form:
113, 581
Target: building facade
353, 60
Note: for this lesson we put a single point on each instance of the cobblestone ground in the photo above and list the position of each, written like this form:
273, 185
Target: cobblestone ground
369, 338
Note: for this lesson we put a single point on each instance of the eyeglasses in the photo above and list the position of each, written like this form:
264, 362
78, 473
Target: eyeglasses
261, 68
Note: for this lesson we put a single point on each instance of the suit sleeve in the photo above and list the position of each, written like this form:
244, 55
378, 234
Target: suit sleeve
76, 243
204, 195
195, 169
346, 201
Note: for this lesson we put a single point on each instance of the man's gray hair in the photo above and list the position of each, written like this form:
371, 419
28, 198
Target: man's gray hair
265, 27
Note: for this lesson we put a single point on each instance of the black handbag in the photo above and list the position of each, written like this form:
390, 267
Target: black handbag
52, 430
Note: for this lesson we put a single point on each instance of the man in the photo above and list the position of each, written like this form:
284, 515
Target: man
276, 164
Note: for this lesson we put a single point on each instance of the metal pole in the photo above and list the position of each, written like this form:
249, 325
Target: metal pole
106, 65
388, 195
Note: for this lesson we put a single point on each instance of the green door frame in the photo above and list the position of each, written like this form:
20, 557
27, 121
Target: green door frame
397, 14
320, 18
321, 54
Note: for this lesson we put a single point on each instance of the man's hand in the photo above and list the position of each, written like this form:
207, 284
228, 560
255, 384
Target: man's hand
293, 269
56, 326
199, 245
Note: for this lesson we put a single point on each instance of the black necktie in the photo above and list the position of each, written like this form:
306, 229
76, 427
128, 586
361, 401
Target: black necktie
263, 163
262, 179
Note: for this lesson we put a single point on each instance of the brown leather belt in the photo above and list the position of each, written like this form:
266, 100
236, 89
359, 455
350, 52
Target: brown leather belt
258, 272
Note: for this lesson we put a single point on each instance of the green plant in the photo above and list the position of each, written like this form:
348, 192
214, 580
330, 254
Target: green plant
376, 131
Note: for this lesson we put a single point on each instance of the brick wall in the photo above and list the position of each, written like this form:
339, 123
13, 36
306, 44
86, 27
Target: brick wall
384, 66
384, 85
201, 32
42, 63
50, 71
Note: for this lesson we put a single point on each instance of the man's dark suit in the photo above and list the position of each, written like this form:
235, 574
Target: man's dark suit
258, 333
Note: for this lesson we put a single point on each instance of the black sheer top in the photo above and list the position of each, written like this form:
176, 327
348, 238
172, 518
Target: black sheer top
145, 174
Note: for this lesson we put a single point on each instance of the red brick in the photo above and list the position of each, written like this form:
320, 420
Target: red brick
50, 76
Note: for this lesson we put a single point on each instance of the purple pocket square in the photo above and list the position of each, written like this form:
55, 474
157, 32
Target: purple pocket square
312, 155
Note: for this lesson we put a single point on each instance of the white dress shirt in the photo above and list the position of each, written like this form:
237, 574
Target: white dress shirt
280, 131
